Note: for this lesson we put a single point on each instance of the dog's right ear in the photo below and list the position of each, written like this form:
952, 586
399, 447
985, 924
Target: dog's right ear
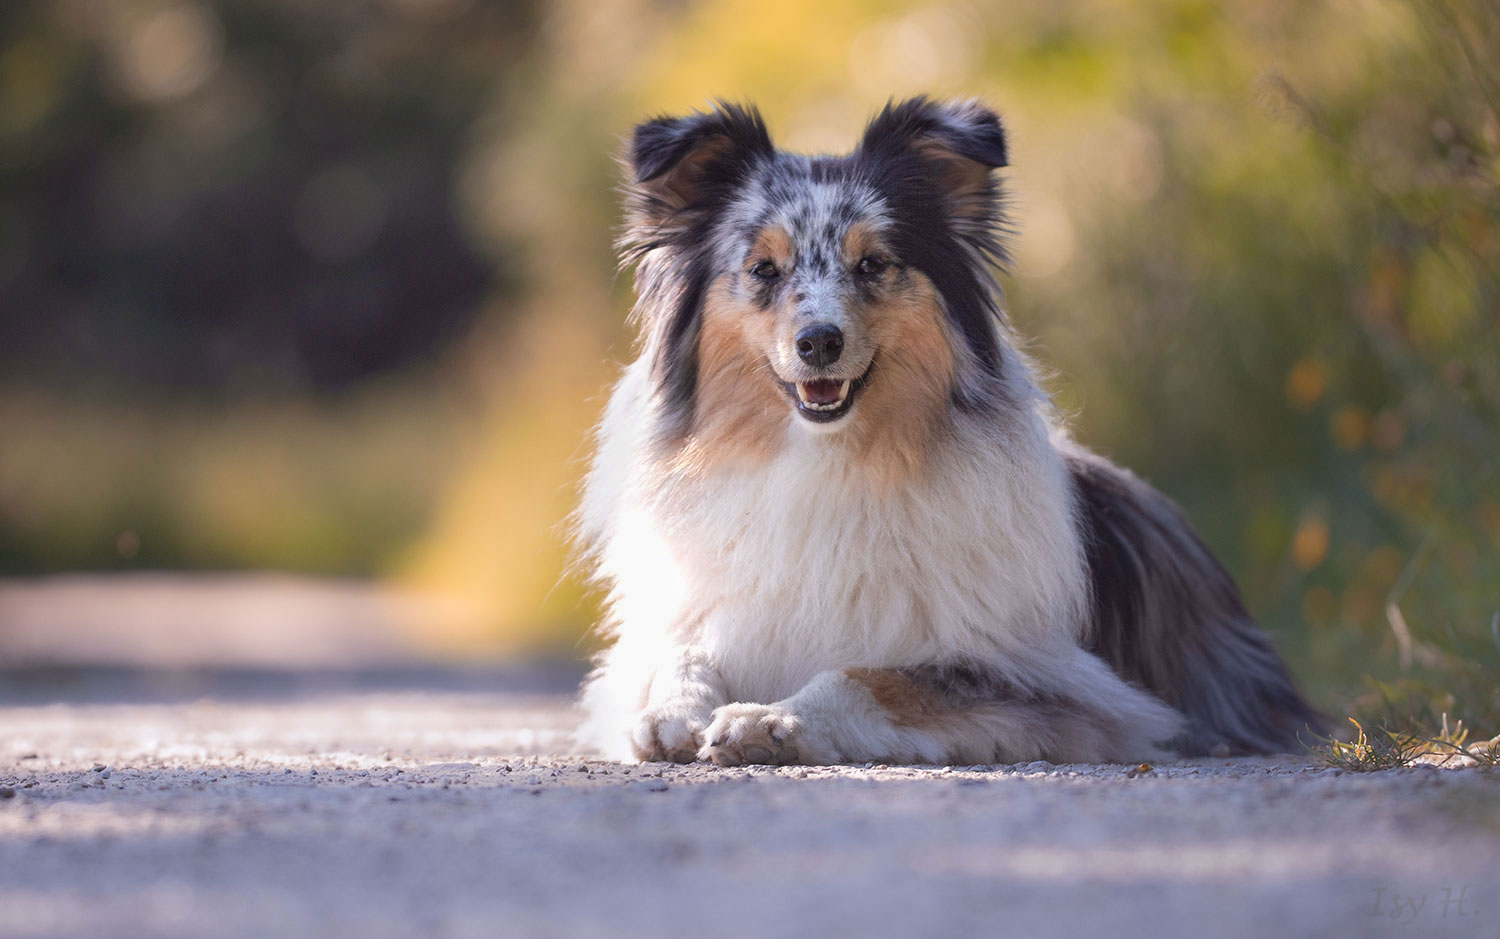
679, 166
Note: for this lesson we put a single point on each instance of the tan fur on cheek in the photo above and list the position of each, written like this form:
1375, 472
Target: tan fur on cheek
904, 411
739, 416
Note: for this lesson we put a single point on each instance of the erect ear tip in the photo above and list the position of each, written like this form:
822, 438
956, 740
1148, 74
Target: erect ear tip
652, 145
973, 111
981, 130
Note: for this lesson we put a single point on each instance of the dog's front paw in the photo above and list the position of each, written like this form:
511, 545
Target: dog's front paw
752, 733
671, 732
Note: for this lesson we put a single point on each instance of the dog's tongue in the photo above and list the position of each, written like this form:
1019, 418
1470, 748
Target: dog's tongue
822, 391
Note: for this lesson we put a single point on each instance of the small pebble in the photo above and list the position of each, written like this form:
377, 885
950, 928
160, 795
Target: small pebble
7, 792
650, 785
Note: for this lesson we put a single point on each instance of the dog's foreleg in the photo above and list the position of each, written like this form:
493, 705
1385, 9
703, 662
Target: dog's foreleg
835, 718
682, 699
936, 714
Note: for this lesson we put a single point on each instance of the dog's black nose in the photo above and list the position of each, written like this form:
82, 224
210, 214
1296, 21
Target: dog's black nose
820, 344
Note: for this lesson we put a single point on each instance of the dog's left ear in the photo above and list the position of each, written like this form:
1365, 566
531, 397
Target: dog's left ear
958, 143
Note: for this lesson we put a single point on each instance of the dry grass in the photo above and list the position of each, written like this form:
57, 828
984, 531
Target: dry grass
1382, 748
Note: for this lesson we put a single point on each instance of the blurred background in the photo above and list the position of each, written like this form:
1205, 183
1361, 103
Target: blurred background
306, 308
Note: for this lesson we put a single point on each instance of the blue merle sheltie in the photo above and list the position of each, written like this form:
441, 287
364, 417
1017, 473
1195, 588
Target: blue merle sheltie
835, 514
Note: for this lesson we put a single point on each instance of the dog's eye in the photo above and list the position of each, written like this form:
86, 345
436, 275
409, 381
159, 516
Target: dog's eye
871, 266
766, 270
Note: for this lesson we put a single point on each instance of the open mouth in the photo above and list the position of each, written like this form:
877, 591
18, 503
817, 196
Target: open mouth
823, 400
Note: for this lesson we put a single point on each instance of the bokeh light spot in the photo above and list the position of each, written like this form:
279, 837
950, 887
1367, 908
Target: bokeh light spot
1310, 544
169, 53
1305, 383
1350, 427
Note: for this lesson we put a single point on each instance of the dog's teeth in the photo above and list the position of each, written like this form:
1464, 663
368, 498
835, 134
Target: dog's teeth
811, 405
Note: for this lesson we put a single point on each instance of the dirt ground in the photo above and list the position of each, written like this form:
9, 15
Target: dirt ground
417, 804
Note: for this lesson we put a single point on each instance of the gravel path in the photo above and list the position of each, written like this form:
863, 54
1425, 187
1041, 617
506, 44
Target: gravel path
389, 811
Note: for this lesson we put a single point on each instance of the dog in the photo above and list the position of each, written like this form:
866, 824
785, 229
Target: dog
836, 517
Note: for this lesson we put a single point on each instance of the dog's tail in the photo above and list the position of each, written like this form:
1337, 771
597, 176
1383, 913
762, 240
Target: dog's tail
1168, 617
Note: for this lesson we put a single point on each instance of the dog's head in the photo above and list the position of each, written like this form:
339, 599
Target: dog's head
849, 290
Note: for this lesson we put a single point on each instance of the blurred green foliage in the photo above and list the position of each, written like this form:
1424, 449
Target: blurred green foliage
1301, 334
1258, 244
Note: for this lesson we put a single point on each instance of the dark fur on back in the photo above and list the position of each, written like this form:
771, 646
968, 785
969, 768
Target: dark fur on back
1167, 616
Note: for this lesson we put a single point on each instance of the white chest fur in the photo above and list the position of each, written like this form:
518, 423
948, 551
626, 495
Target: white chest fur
802, 564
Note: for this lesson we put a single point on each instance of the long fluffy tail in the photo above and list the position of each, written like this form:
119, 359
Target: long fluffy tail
1168, 617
